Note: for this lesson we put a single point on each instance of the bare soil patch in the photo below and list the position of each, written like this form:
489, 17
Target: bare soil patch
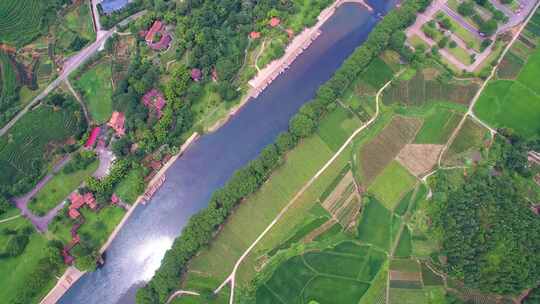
419, 158
405, 276
378, 153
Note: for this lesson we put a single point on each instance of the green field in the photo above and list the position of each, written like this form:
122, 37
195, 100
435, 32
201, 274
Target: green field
9, 94
514, 104
337, 126
338, 275
404, 248
79, 20
20, 21
391, 185
28, 146
377, 73
258, 210
96, 87
58, 189
375, 225
438, 126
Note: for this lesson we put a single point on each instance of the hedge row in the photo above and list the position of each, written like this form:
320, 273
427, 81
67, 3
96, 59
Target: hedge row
201, 227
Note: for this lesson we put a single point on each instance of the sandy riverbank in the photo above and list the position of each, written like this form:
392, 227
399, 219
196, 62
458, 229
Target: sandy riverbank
70, 276
271, 71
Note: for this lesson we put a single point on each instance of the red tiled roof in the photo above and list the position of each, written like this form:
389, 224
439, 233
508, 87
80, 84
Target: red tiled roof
274, 22
254, 35
74, 213
162, 44
196, 74
77, 200
117, 123
92, 138
114, 199
156, 27
90, 200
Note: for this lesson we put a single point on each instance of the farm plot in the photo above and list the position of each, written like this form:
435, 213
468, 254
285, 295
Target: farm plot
344, 202
336, 127
21, 21
529, 74
377, 73
9, 94
510, 66
418, 91
407, 285
31, 142
331, 276
391, 184
380, 151
375, 226
466, 144
419, 159
510, 104
438, 125
96, 87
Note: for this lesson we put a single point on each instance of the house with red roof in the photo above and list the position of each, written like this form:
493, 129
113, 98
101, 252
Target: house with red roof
196, 74
274, 21
74, 213
92, 138
255, 35
165, 39
78, 201
117, 122
154, 100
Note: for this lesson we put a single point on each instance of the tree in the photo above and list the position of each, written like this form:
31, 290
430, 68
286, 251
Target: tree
301, 125
489, 27
397, 40
446, 23
16, 245
466, 8
5, 205
285, 141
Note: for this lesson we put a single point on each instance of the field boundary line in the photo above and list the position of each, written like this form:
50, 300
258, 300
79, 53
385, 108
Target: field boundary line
232, 277
10, 218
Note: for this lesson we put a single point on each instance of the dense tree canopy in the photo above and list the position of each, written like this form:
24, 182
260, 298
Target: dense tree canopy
488, 231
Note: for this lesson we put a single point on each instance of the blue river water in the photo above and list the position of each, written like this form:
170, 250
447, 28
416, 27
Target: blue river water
136, 252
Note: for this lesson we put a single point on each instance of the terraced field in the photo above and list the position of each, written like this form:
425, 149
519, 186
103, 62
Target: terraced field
20, 21
26, 149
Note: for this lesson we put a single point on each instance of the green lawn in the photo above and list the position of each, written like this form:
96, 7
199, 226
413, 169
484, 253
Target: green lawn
510, 104
96, 87
17, 270
460, 54
79, 20
462, 33
390, 185
58, 188
416, 41
529, 74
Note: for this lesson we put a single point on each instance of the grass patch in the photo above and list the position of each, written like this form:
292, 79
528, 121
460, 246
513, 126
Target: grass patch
334, 290
460, 54
438, 126
416, 42
529, 74
374, 226
469, 138
377, 73
510, 104
129, 188
336, 127
404, 248
391, 184
96, 87
58, 189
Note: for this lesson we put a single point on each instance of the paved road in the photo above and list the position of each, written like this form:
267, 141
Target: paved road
457, 17
70, 65
41, 222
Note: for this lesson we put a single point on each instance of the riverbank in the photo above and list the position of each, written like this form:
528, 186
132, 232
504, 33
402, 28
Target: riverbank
272, 70
70, 276
153, 181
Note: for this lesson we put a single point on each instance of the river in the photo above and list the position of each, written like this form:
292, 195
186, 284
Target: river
136, 252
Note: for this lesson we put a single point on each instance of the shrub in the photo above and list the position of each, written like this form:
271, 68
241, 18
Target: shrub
466, 8
16, 245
